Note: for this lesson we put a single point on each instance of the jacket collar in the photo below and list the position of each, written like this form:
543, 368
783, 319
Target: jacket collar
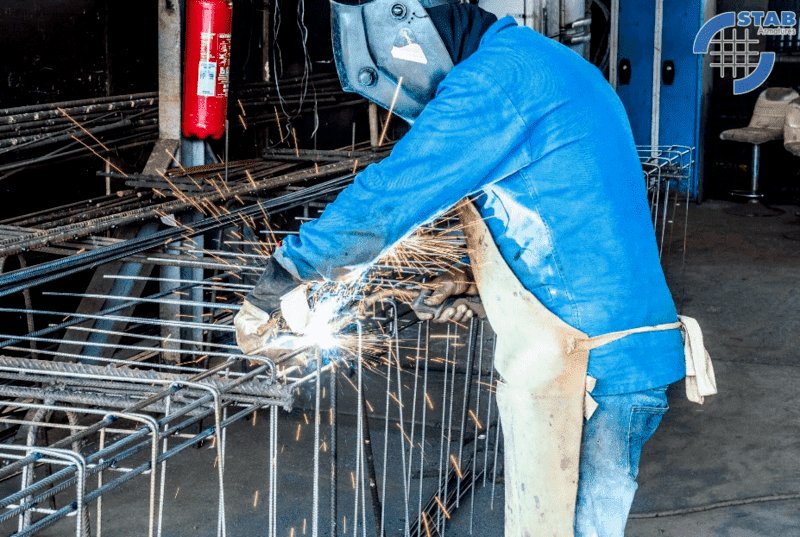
499, 26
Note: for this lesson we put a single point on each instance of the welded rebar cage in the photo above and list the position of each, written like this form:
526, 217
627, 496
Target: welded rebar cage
397, 427
668, 173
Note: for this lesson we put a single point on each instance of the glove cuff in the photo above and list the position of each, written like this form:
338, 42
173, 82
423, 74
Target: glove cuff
275, 282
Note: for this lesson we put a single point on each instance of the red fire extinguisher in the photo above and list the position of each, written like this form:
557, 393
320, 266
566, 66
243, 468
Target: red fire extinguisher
207, 67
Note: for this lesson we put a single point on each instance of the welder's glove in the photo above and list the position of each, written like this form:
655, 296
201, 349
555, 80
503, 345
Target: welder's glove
258, 320
453, 296
274, 282
254, 329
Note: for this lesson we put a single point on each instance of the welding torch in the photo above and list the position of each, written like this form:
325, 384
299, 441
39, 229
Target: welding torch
295, 314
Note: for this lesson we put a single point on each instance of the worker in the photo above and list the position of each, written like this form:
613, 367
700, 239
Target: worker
559, 233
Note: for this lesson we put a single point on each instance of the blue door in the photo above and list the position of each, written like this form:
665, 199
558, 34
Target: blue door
679, 75
635, 64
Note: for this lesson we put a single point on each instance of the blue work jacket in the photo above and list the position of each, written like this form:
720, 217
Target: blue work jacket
541, 137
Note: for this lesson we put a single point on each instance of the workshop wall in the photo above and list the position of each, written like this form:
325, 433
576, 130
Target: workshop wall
77, 49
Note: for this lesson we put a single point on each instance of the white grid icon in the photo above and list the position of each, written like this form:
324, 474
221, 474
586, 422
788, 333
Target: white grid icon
733, 53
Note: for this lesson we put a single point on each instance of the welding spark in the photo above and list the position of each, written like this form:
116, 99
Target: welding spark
425, 522
442, 507
426, 251
455, 465
405, 435
391, 110
475, 419
393, 396
278, 121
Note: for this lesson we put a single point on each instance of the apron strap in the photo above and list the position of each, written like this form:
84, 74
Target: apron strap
700, 379
605, 339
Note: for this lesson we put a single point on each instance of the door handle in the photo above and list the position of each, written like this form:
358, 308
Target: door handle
624, 72
668, 72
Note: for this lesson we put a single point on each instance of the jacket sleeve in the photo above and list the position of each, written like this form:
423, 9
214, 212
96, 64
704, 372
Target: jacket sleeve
462, 137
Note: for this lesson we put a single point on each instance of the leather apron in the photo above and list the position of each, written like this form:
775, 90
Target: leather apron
542, 362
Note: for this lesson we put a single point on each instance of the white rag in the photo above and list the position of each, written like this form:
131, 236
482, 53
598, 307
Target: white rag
700, 379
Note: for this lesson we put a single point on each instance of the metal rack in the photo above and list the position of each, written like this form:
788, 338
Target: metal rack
159, 406
668, 172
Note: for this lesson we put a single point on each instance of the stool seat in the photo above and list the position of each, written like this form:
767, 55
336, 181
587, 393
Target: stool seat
793, 148
791, 128
752, 135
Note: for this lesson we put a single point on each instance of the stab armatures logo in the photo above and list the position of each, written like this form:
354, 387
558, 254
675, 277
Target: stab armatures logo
720, 39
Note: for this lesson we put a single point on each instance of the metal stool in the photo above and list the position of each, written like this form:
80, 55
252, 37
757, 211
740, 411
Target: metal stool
766, 125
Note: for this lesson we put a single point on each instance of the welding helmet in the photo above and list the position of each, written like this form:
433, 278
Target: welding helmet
378, 42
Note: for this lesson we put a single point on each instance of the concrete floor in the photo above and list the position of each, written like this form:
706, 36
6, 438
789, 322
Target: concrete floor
741, 283
742, 286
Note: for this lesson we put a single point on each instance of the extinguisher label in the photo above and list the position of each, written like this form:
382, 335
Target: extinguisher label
224, 58
207, 79
214, 67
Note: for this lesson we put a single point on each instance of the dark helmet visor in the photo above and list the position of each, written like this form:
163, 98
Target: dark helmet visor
378, 43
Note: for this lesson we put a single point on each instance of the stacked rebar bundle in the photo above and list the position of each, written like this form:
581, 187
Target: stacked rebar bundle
200, 189
291, 98
41, 134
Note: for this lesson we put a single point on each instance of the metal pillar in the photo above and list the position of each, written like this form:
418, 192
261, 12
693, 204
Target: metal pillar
613, 43
169, 69
192, 154
169, 123
655, 125
530, 13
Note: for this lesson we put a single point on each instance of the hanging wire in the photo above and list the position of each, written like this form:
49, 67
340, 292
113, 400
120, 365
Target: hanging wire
305, 80
307, 66
277, 61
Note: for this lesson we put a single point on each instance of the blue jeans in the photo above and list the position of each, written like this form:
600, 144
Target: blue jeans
610, 451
